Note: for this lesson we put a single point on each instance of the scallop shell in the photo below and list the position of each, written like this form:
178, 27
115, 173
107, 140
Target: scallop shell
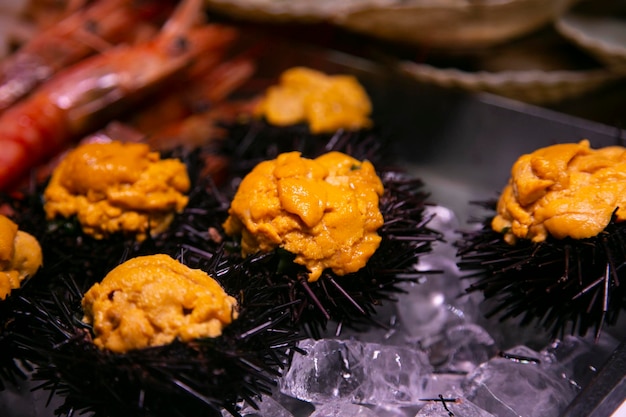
604, 37
531, 86
441, 24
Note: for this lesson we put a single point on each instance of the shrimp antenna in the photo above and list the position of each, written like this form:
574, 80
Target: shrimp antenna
185, 16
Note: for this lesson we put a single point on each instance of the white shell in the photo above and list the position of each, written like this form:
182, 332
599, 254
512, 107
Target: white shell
602, 36
435, 23
531, 86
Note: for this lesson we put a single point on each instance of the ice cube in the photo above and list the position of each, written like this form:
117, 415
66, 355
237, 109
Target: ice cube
396, 410
513, 331
267, 407
518, 383
342, 409
387, 330
451, 404
435, 302
355, 371
468, 346
443, 220
580, 358
455, 353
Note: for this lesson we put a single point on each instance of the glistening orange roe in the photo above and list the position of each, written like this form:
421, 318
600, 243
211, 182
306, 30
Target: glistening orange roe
154, 300
564, 190
323, 210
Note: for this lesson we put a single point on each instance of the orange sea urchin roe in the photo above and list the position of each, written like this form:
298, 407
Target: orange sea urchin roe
117, 187
323, 210
565, 190
153, 300
326, 102
20, 256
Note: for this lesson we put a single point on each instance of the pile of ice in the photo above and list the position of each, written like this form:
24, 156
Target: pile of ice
437, 357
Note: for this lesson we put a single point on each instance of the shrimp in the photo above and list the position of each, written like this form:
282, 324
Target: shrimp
172, 122
87, 30
202, 128
85, 96
198, 95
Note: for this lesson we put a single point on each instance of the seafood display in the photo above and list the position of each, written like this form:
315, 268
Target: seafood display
196, 221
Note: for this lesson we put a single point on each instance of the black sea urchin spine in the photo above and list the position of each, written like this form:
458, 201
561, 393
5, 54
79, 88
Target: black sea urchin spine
12, 363
196, 378
205, 376
349, 300
352, 300
250, 144
565, 285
